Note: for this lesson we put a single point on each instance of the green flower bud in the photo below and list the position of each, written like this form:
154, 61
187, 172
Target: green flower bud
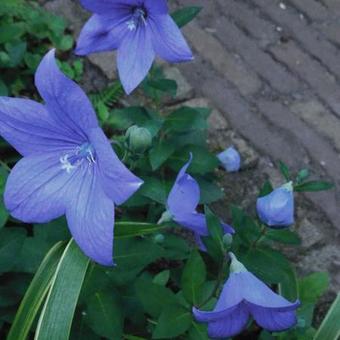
138, 139
159, 238
4, 58
227, 240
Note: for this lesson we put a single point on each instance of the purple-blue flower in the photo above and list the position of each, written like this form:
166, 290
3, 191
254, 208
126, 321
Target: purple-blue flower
244, 296
182, 204
277, 208
139, 30
230, 159
69, 166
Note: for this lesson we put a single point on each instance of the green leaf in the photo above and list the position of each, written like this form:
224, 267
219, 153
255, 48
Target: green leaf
160, 153
284, 171
198, 332
127, 229
162, 278
174, 321
266, 189
3, 211
203, 160
56, 317
210, 191
11, 32
35, 294
193, 277
185, 119
284, 236
164, 85
313, 286
184, 15
313, 186
153, 297
104, 314
3, 88
11, 241
330, 326
302, 175
155, 189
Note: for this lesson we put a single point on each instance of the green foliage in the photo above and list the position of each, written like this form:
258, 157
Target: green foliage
184, 15
27, 32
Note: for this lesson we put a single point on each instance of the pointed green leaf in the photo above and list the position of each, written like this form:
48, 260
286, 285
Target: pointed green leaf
56, 317
35, 294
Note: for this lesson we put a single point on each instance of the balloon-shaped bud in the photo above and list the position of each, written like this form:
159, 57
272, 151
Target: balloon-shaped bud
138, 139
230, 159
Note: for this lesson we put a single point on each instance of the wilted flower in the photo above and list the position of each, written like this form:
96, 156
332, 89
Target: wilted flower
139, 30
69, 167
138, 139
277, 208
230, 159
244, 295
182, 204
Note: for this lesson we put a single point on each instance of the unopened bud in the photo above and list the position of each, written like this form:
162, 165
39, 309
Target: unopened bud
227, 240
159, 238
139, 139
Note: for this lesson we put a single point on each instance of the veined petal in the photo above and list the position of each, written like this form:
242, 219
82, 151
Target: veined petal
27, 126
185, 194
193, 221
102, 33
36, 188
258, 293
135, 57
65, 100
168, 41
90, 216
230, 325
105, 6
156, 7
272, 319
118, 182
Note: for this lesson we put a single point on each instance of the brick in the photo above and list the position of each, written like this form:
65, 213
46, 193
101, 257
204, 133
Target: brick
224, 62
311, 71
251, 20
313, 9
332, 5
310, 233
322, 120
311, 39
235, 40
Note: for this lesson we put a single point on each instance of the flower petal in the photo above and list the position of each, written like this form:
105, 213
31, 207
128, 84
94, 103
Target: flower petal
185, 193
209, 316
90, 216
27, 126
258, 293
194, 221
168, 40
273, 320
118, 182
65, 100
135, 57
156, 7
105, 6
36, 188
230, 325
102, 33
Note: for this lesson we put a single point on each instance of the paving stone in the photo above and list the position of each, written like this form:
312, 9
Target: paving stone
312, 40
311, 71
309, 233
318, 116
313, 9
235, 40
250, 19
223, 61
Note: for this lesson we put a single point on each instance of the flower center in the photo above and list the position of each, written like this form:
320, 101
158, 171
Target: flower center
139, 16
72, 160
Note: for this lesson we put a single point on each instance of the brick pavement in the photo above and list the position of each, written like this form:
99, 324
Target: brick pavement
273, 69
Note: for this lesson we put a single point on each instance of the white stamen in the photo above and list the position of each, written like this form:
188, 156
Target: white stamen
131, 25
65, 164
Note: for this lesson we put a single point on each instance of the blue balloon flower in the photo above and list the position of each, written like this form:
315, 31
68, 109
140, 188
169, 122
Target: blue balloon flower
230, 159
139, 30
277, 208
69, 166
182, 204
244, 296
